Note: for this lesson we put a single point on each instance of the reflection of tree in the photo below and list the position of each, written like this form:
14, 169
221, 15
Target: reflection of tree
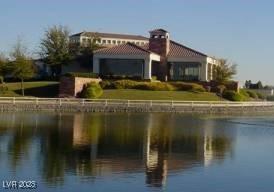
98, 144
20, 140
56, 144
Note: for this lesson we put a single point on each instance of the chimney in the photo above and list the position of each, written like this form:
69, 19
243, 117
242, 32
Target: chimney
159, 42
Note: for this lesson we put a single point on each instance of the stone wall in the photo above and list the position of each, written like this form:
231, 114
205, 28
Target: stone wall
84, 107
71, 86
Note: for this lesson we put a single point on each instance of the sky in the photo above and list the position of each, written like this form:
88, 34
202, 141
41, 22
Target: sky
241, 31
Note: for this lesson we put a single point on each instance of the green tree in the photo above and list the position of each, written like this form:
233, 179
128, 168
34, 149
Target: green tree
260, 85
225, 71
54, 48
84, 53
5, 67
23, 67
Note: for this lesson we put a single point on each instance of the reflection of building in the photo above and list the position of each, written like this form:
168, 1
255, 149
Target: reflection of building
114, 145
103, 144
80, 137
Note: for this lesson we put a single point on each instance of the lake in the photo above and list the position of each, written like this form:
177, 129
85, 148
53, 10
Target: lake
137, 152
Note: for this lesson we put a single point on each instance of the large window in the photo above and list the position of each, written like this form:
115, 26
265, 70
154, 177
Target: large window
122, 67
189, 71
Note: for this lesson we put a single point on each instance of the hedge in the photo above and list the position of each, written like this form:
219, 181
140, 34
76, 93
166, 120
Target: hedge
153, 86
125, 84
261, 96
270, 98
181, 86
252, 94
3, 88
85, 75
232, 96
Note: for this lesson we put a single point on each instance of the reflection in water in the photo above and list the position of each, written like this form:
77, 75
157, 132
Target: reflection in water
97, 145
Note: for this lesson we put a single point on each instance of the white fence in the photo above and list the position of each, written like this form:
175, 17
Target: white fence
128, 103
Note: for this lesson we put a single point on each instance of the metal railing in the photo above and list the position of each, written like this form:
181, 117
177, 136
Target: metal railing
128, 103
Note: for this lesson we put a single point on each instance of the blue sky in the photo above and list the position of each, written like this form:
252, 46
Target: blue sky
239, 30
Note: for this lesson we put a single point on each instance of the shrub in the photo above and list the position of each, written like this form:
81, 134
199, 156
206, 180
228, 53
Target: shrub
91, 91
270, 98
120, 77
106, 84
252, 94
181, 86
154, 78
86, 75
3, 88
155, 86
220, 89
197, 88
244, 92
261, 96
232, 96
125, 84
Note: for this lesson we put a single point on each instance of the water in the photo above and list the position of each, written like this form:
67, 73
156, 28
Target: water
137, 152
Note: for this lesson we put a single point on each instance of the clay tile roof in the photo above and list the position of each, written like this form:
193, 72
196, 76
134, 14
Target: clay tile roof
124, 49
111, 35
159, 30
179, 50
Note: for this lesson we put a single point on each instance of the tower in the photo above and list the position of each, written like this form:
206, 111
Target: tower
159, 43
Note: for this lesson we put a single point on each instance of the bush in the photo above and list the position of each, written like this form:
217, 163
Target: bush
154, 78
181, 86
120, 77
154, 86
3, 89
86, 75
220, 89
232, 96
252, 94
106, 84
261, 96
270, 98
91, 91
125, 84
197, 88
244, 92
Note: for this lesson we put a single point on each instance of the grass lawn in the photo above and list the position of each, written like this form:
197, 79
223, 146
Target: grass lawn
33, 89
50, 89
132, 94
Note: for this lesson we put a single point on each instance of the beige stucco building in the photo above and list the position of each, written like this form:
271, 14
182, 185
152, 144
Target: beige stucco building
157, 56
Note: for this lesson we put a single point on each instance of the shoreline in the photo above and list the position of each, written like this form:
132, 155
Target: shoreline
87, 107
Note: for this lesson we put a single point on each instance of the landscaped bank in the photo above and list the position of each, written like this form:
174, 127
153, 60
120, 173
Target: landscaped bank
82, 105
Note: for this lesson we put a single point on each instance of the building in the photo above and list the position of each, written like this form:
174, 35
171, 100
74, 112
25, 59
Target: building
106, 39
158, 56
